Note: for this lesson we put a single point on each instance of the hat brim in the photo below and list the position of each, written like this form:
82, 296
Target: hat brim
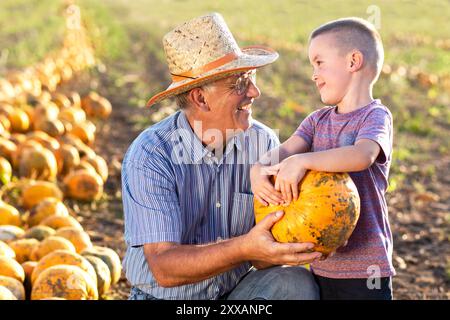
250, 58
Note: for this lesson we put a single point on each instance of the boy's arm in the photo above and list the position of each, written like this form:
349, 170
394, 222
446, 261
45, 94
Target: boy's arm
353, 158
262, 188
294, 145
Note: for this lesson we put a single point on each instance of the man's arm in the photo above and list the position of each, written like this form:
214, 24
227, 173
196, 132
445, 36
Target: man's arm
174, 264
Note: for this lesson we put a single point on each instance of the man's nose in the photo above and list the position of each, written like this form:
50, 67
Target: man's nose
253, 90
314, 76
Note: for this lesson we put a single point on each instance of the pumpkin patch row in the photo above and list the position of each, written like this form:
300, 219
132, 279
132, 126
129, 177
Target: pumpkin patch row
47, 131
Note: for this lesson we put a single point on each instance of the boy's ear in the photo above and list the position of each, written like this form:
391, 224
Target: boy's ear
355, 61
198, 99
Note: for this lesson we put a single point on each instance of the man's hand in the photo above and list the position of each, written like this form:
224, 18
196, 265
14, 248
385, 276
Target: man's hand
261, 246
290, 173
333, 252
262, 188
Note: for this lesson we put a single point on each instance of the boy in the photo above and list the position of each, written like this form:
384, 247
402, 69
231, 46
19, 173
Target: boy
353, 134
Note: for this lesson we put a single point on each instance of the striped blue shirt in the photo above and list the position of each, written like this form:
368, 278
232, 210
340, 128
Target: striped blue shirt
175, 190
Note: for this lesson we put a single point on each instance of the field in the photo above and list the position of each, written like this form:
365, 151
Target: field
415, 85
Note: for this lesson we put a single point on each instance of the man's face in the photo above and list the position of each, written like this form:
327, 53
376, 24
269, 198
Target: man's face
329, 69
229, 108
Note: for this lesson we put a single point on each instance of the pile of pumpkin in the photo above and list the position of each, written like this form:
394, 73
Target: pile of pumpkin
46, 155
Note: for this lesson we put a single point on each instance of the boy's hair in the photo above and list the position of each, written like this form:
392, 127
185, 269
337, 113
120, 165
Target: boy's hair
356, 33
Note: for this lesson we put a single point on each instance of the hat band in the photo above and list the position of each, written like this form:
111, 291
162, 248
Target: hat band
192, 74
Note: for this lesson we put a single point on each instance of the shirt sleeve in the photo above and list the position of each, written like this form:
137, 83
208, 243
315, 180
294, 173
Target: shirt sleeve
378, 127
306, 129
274, 141
151, 207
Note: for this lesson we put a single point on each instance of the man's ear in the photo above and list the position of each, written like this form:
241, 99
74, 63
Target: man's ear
355, 60
198, 99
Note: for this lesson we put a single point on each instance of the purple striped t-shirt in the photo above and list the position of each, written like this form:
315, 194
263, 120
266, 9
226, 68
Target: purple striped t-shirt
369, 249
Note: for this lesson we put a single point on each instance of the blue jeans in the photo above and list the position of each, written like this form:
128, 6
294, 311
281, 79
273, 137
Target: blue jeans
275, 283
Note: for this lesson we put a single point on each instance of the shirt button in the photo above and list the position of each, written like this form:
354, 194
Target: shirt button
218, 204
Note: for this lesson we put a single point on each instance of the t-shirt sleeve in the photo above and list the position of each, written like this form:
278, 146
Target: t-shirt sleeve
378, 127
306, 129
151, 206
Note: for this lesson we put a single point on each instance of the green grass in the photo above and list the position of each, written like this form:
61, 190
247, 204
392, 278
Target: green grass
290, 21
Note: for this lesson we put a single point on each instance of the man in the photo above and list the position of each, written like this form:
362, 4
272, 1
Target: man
189, 223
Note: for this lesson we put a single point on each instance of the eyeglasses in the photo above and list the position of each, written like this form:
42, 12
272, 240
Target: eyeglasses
243, 82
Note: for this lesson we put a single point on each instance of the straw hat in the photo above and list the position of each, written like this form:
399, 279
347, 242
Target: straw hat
203, 50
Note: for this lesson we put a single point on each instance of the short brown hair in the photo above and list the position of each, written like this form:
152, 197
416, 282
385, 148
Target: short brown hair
356, 33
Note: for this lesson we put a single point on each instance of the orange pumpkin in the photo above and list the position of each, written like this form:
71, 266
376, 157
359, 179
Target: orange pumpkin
57, 222
44, 139
103, 274
14, 285
22, 148
61, 100
79, 238
5, 122
83, 185
54, 128
38, 164
20, 122
110, 257
39, 232
23, 248
99, 165
72, 115
96, 106
11, 268
59, 257
9, 215
7, 149
64, 281
9, 233
50, 244
325, 213
85, 131
46, 208
5, 171
36, 191
6, 294
67, 157
46, 111
6, 251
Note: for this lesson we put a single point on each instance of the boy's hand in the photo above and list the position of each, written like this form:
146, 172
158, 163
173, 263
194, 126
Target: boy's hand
262, 188
290, 172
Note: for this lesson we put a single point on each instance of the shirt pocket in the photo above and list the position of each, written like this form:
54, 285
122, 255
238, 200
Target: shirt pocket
242, 215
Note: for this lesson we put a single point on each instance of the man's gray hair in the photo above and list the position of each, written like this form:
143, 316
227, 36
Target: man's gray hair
182, 99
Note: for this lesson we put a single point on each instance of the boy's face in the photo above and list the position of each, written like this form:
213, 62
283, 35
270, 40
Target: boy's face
330, 69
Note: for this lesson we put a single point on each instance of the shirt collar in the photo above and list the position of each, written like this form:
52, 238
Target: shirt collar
194, 146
